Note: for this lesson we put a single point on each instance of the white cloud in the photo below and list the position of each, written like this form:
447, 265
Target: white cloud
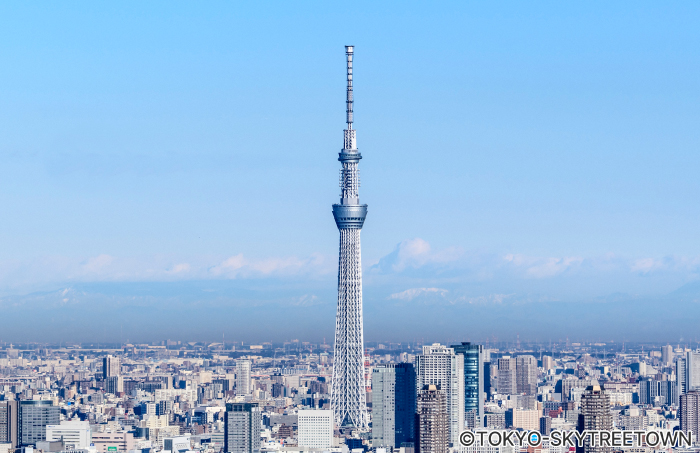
97, 264
483, 300
180, 268
412, 293
537, 267
645, 265
307, 300
239, 266
441, 296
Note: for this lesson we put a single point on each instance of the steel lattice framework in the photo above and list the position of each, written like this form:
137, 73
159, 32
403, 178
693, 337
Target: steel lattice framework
348, 386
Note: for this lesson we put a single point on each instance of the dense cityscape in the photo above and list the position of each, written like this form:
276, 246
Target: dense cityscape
212, 397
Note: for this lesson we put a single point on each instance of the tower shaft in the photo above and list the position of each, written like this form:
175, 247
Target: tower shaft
348, 385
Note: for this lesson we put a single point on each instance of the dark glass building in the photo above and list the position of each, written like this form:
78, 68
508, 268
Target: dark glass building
393, 404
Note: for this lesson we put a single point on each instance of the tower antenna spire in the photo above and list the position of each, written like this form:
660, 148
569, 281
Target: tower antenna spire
349, 53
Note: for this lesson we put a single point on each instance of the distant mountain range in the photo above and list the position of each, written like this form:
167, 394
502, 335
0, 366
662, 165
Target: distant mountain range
256, 312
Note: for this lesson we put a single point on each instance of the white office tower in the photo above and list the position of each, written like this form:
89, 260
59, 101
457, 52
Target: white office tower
110, 367
315, 428
547, 362
688, 372
75, 434
439, 365
243, 377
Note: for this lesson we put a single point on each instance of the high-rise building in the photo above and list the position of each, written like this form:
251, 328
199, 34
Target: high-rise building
545, 425
242, 428
526, 374
688, 372
432, 420
76, 435
277, 390
594, 414
439, 365
547, 362
490, 378
315, 428
650, 389
667, 355
507, 380
8, 422
473, 382
393, 404
681, 376
114, 384
243, 377
110, 367
689, 412
34, 416
348, 389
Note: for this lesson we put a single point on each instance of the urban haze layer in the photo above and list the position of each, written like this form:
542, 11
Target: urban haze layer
351, 397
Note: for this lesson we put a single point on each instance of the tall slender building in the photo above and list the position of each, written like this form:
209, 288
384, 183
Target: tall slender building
526, 375
507, 377
243, 377
432, 421
688, 372
667, 355
110, 367
689, 412
473, 382
242, 425
594, 415
439, 365
8, 422
348, 387
393, 404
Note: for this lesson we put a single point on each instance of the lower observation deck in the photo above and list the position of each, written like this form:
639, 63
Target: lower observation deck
349, 216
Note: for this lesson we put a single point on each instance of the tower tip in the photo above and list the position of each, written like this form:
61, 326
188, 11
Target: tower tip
349, 49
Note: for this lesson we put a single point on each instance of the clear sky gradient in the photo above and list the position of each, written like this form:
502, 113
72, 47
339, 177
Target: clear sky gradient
516, 154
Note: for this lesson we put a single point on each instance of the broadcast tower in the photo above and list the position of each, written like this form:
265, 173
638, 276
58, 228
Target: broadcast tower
348, 386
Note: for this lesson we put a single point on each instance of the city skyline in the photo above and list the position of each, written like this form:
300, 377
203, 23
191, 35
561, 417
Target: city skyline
146, 168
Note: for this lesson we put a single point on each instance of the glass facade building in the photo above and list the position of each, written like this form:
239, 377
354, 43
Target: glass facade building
33, 418
473, 381
393, 404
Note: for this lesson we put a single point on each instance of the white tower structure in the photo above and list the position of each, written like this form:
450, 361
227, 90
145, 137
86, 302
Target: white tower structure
348, 386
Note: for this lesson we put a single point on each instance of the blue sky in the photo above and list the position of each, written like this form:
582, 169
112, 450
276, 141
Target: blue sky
515, 154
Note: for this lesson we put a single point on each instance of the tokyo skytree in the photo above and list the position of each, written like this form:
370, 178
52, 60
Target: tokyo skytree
348, 386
